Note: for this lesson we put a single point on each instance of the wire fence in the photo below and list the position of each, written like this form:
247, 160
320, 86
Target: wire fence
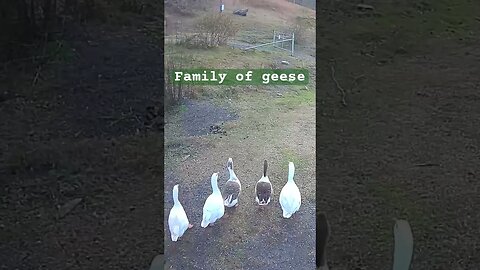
280, 40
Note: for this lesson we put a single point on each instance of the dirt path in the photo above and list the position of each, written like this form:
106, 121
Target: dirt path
248, 237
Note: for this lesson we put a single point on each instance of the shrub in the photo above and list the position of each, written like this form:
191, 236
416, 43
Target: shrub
215, 30
174, 93
301, 28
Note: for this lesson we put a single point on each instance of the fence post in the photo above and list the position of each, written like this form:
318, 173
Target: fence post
273, 38
293, 43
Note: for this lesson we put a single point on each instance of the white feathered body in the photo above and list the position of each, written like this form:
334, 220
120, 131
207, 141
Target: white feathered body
290, 197
214, 208
177, 219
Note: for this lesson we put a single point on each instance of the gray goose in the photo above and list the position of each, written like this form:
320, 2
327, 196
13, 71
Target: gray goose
232, 188
263, 188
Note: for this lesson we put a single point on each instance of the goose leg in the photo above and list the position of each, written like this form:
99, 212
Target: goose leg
190, 226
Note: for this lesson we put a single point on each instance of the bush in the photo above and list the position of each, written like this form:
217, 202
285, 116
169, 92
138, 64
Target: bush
214, 30
301, 28
174, 93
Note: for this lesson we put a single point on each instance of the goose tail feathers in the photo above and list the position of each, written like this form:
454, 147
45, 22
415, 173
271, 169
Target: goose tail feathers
228, 200
175, 233
205, 220
265, 166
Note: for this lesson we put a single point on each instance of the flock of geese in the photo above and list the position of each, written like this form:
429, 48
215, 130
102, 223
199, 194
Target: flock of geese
214, 207
290, 201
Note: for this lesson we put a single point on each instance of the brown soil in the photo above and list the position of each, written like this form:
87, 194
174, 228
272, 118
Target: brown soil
249, 236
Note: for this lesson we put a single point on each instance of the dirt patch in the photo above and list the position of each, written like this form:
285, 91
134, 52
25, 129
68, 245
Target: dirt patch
247, 237
200, 116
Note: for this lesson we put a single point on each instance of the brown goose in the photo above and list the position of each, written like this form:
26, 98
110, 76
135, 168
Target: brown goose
263, 188
232, 188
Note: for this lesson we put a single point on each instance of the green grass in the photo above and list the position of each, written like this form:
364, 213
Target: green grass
299, 97
222, 57
290, 156
182, 108
260, 112
255, 36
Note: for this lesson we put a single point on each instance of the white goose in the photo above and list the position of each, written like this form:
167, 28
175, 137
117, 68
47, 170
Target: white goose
232, 188
290, 198
213, 209
177, 219
403, 251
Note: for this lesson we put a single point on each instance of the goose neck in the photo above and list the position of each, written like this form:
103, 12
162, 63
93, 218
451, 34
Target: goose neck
215, 188
175, 195
233, 176
291, 172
